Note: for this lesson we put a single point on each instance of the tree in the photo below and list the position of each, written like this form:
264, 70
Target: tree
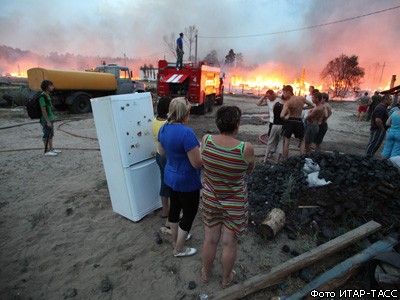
230, 58
190, 34
212, 58
344, 74
239, 59
170, 42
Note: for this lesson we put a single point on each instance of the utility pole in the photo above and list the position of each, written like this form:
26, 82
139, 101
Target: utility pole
383, 67
195, 49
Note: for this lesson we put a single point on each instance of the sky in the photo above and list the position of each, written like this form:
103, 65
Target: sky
136, 28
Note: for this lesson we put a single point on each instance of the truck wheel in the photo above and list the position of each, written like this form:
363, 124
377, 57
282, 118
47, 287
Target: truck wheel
202, 109
81, 104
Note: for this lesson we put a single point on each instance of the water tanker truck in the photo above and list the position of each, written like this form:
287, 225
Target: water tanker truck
75, 88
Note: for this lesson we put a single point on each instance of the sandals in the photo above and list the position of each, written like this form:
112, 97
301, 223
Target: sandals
228, 284
188, 252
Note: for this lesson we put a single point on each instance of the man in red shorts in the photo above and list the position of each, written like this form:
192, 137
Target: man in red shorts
362, 106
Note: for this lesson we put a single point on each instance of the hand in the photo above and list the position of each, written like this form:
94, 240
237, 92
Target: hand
48, 124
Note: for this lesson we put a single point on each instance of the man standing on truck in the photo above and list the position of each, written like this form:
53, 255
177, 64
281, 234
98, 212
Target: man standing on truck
179, 51
47, 118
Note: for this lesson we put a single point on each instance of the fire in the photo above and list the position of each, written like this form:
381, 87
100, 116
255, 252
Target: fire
259, 83
18, 74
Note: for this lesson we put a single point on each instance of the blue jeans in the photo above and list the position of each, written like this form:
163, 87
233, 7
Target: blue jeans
48, 132
161, 162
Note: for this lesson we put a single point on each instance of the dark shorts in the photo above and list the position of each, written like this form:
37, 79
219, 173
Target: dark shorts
48, 132
311, 133
294, 126
161, 162
323, 128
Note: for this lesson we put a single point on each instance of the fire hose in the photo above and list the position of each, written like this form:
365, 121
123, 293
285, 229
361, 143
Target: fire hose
59, 128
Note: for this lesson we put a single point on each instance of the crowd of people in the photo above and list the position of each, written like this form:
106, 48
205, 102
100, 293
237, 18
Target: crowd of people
305, 118
221, 191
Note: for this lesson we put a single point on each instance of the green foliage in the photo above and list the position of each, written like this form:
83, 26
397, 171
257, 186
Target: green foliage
287, 188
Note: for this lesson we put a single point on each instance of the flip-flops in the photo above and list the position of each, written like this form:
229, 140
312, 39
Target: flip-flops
233, 274
189, 236
188, 252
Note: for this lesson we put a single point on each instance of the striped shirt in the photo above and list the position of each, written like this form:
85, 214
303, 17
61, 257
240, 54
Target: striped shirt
224, 198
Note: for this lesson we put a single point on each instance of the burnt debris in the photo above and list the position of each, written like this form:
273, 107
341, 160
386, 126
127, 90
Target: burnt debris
362, 189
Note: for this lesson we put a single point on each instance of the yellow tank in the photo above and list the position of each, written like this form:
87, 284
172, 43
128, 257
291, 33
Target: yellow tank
72, 80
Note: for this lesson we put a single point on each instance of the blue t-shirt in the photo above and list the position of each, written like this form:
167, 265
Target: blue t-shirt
179, 43
177, 140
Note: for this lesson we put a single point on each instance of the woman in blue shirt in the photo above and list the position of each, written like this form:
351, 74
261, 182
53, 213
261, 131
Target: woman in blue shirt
182, 173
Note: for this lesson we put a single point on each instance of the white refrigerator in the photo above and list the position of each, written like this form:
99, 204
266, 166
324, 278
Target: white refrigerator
124, 130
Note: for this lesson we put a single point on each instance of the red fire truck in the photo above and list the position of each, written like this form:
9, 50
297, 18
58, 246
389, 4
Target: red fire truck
201, 84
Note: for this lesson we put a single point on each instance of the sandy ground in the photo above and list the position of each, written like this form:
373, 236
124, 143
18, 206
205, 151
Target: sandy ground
61, 239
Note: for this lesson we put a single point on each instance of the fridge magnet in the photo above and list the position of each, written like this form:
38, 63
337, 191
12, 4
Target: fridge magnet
132, 146
122, 108
137, 145
149, 120
127, 104
139, 133
146, 132
138, 123
127, 133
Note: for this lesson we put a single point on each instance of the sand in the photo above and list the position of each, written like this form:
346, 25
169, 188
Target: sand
61, 239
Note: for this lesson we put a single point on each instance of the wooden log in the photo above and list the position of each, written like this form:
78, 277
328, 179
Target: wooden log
273, 223
278, 273
339, 274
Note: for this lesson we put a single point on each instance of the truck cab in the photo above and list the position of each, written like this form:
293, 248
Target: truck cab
123, 76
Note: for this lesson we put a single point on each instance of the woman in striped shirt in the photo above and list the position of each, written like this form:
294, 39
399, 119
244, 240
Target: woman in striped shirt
224, 205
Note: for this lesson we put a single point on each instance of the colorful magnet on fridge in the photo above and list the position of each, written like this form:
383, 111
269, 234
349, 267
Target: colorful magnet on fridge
138, 123
139, 133
146, 132
137, 145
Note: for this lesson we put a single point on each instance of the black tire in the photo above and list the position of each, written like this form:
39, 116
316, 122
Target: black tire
202, 109
81, 104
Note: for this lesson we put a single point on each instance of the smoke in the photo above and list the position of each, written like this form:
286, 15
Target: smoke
134, 30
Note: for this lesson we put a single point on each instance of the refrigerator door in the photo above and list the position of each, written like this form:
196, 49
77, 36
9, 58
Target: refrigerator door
143, 182
133, 116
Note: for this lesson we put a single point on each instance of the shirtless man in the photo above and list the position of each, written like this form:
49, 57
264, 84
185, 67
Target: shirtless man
291, 112
323, 127
314, 119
